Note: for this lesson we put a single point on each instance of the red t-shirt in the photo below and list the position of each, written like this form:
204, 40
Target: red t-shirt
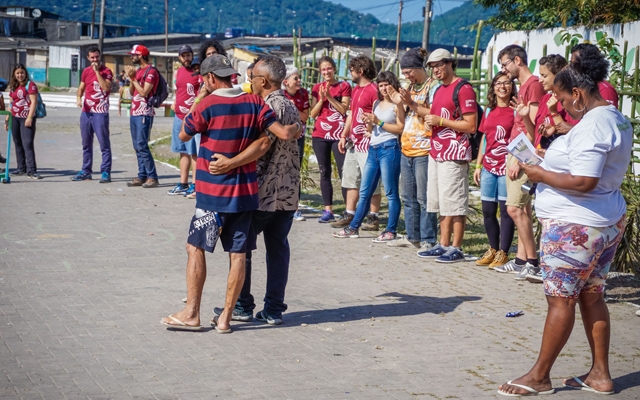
543, 116
496, 127
362, 100
300, 99
186, 91
330, 123
446, 143
96, 100
20, 101
608, 92
530, 91
139, 104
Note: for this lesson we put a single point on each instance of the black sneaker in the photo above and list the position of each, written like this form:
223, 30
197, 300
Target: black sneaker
34, 175
17, 172
2, 159
269, 319
237, 315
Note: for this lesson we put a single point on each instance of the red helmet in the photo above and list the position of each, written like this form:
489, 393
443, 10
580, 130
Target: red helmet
140, 50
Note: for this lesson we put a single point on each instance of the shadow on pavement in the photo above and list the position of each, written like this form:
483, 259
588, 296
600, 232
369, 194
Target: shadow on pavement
626, 382
404, 305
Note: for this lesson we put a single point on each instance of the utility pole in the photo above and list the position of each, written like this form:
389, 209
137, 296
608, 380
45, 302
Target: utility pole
166, 26
427, 26
399, 28
101, 35
93, 18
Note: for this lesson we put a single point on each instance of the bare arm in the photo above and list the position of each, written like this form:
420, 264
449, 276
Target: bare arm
304, 115
220, 164
466, 125
566, 181
105, 84
286, 132
79, 94
341, 106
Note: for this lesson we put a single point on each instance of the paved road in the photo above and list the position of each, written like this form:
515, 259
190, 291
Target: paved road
87, 270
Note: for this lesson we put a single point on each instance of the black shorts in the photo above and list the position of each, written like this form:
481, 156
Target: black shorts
233, 230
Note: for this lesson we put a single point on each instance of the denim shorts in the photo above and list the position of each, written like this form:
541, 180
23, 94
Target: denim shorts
233, 230
492, 187
178, 146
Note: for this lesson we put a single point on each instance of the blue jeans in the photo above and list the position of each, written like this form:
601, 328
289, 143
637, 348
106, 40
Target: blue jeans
492, 187
275, 227
421, 225
383, 161
140, 134
97, 123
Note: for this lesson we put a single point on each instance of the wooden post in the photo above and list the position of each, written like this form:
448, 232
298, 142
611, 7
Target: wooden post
474, 62
339, 62
624, 71
295, 50
373, 50
490, 63
314, 64
635, 82
399, 28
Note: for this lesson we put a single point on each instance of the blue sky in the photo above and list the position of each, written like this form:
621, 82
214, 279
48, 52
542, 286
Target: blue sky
385, 9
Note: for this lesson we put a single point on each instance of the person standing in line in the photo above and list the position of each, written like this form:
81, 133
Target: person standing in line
448, 180
364, 95
513, 60
144, 82
278, 174
24, 97
329, 104
95, 85
300, 98
421, 226
187, 86
225, 201
6, 123
383, 160
490, 173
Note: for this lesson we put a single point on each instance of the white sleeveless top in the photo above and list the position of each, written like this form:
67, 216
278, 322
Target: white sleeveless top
388, 115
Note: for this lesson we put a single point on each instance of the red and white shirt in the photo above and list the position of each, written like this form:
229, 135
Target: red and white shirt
139, 105
20, 101
530, 91
300, 99
330, 123
448, 144
608, 92
496, 126
362, 100
187, 87
96, 100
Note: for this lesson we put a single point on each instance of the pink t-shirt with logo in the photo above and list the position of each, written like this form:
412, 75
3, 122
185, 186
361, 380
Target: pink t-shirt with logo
330, 123
139, 104
362, 99
96, 100
448, 144
187, 87
20, 101
496, 127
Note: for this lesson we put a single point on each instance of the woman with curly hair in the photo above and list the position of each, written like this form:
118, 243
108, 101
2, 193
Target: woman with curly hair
583, 216
24, 98
329, 104
491, 172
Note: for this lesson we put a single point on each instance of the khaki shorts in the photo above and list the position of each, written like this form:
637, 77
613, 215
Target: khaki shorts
515, 196
448, 187
352, 168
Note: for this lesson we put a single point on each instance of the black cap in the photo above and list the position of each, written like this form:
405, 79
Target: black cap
196, 61
219, 65
185, 48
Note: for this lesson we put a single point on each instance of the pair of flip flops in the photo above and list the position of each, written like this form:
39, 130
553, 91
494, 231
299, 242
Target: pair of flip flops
531, 391
585, 387
180, 326
214, 324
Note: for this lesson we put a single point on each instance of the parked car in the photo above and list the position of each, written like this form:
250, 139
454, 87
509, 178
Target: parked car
3, 84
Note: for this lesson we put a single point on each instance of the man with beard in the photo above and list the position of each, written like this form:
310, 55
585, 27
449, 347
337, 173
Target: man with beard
187, 85
95, 84
448, 177
144, 82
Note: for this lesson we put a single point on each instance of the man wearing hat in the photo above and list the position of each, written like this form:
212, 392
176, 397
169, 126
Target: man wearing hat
416, 142
448, 184
187, 86
144, 82
232, 124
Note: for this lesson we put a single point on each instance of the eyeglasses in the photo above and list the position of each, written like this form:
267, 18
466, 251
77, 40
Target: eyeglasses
506, 63
251, 76
503, 83
439, 64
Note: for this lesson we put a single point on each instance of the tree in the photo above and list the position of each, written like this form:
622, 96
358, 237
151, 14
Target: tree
538, 14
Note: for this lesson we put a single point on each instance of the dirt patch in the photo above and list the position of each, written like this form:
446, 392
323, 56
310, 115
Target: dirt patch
623, 288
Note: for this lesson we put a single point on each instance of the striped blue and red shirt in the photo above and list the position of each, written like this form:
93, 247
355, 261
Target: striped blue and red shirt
229, 120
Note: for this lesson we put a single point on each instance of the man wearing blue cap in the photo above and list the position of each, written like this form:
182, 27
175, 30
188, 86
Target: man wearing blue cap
187, 86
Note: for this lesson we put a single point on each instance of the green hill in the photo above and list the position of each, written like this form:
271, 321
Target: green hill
317, 18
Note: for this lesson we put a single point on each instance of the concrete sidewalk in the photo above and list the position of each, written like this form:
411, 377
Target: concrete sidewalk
87, 270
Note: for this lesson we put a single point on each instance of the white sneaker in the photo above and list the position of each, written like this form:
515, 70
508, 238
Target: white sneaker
526, 270
638, 313
403, 242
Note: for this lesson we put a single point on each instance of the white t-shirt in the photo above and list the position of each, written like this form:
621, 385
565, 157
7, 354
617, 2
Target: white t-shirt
388, 115
598, 146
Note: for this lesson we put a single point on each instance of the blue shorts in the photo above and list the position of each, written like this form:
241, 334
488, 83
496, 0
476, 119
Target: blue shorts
178, 146
492, 187
233, 230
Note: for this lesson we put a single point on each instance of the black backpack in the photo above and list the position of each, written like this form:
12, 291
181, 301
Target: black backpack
474, 139
162, 91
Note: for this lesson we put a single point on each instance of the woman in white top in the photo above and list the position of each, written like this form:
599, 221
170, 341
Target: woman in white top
583, 214
385, 124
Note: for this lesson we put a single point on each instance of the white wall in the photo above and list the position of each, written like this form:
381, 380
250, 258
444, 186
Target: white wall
60, 56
